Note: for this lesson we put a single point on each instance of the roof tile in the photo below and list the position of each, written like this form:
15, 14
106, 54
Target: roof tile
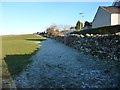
112, 9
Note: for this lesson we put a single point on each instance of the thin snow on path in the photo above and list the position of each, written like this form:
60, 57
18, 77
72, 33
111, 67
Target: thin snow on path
56, 65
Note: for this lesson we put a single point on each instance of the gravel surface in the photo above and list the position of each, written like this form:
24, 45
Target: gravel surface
58, 66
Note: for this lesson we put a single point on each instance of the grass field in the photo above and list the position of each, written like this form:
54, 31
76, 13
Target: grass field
16, 53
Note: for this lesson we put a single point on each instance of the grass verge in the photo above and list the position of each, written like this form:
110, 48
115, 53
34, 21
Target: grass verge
16, 53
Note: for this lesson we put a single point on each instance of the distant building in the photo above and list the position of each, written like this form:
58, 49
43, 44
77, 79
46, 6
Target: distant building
87, 25
107, 15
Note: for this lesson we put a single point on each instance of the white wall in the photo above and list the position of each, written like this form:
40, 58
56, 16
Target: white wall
115, 19
102, 18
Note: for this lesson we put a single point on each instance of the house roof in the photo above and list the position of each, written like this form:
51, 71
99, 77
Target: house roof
116, 3
112, 9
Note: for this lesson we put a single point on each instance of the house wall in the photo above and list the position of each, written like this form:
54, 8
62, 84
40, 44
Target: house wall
102, 18
115, 19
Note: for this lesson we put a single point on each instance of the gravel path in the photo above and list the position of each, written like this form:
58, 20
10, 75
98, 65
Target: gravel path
56, 65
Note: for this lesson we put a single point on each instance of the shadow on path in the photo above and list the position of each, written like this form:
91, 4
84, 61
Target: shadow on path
16, 63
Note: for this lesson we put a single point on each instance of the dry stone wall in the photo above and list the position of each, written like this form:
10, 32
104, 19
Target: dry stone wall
101, 46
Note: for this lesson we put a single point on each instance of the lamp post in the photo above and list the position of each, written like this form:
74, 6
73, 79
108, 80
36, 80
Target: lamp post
81, 15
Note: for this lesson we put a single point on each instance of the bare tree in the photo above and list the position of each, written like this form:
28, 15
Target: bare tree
52, 30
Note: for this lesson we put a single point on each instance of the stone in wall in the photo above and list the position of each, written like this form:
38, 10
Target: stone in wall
101, 46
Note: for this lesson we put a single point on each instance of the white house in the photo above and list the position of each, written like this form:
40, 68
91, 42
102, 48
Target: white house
107, 15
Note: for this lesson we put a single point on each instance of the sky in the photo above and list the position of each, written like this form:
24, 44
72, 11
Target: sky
31, 17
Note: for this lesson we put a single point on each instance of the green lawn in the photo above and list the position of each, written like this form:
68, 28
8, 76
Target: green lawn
16, 53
